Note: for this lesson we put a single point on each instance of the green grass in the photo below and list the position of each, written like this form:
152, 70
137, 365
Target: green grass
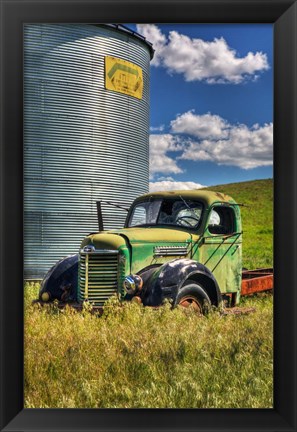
136, 357
257, 220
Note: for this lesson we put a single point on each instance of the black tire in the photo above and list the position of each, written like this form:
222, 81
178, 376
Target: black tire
192, 294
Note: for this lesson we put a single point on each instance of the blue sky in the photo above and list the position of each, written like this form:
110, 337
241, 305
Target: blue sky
211, 107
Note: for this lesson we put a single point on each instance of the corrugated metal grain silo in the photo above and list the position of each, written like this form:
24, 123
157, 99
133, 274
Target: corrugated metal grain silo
86, 133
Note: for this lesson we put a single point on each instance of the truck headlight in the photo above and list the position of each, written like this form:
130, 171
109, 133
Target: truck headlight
132, 284
45, 296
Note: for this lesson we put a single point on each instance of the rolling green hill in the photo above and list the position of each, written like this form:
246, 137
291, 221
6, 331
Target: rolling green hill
257, 219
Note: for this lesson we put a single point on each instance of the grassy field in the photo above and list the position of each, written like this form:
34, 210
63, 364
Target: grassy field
136, 357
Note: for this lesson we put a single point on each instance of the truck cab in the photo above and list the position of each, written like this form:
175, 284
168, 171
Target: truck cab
185, 246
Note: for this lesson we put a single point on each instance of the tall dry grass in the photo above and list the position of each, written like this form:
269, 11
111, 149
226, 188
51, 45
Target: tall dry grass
136, 357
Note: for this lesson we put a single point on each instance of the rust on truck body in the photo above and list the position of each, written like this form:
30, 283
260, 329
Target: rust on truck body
254, 281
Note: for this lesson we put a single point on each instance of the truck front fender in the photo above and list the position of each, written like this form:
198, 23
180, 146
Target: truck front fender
60, 282
166, 281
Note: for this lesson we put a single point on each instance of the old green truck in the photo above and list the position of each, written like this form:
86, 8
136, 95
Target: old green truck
184, 246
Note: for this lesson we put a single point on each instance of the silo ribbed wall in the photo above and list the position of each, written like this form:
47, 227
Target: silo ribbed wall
82, 142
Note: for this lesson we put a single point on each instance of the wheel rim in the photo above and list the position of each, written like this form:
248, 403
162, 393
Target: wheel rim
190, 301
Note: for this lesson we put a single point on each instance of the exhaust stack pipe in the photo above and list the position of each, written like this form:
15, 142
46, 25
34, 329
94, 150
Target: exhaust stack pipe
99, 216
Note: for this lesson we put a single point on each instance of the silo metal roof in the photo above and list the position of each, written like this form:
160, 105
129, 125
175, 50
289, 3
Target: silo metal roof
125, 29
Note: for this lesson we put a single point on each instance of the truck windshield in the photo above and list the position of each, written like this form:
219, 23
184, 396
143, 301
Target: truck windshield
177, 212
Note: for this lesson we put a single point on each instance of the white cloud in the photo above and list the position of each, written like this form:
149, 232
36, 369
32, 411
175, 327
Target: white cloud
167, 185
154, 35
199, 60
160, 161
165, 179
200, 126
157, 128
237, 145
210, 138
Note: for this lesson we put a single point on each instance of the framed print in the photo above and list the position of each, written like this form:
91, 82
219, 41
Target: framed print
123, 79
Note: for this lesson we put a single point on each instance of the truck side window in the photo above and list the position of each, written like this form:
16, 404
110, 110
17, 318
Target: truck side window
221, 220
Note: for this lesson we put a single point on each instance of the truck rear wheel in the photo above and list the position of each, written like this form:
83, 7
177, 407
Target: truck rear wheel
193, 295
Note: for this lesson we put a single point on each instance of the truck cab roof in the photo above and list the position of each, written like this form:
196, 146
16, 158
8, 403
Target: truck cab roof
208, 197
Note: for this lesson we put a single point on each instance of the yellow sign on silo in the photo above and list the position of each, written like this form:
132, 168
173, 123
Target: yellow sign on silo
123, 77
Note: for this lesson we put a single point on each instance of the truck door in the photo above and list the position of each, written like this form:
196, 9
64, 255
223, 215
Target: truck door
221, 247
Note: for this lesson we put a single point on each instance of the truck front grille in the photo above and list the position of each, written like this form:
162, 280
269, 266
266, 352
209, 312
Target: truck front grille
98, 274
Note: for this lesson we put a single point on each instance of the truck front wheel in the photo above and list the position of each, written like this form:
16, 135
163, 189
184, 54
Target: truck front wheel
193, 295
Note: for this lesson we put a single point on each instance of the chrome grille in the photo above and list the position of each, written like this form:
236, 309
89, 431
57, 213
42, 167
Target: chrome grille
98, 277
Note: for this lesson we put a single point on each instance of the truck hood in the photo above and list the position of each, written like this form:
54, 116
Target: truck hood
114, 239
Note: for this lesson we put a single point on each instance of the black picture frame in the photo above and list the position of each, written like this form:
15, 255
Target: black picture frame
283, 15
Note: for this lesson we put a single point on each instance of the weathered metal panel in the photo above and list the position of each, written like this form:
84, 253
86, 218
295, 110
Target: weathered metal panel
255, 281
82, 142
